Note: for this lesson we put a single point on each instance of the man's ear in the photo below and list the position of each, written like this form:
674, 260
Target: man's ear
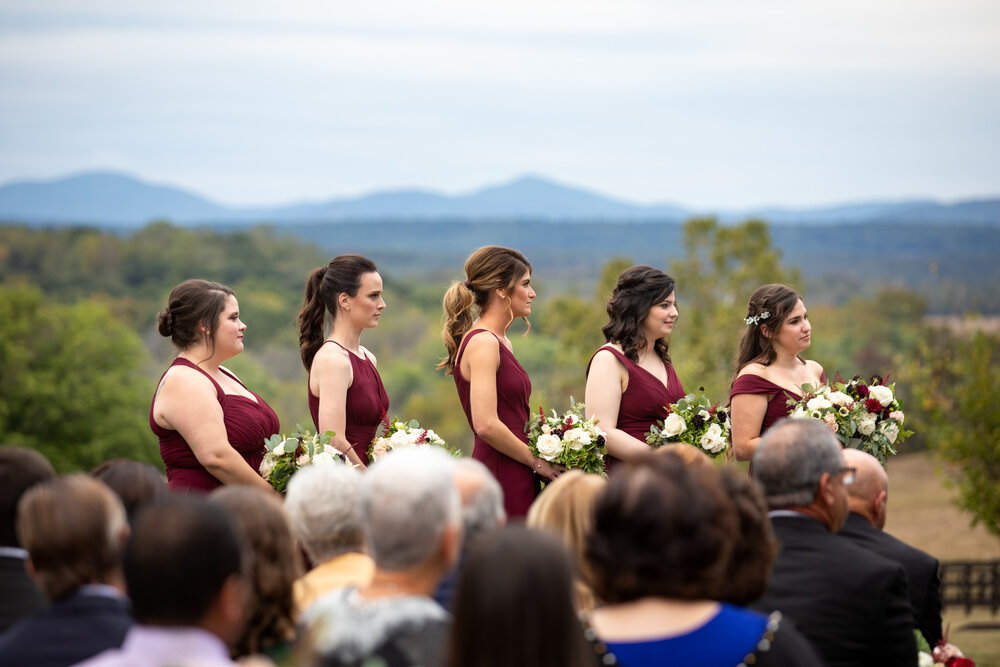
825, 491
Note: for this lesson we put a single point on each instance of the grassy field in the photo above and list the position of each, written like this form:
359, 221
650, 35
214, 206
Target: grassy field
922, 512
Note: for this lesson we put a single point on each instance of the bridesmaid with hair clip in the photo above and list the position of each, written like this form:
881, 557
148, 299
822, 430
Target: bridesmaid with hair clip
769, 368
492, 386
346, 394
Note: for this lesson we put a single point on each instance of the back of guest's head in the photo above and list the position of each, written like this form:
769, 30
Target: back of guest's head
181, 553
273, 568
481, 497
755, 550
409, 502
566, 509
489, 268
662, 529
691, 456
20, 469
73, 528
323, 286
767, 310
137, 484
514, 604
790, 460
638, 289
323, 504
192, 312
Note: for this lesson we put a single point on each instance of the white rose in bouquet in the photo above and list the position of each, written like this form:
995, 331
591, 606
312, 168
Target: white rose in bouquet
576, 439
302, 460
379, 450
881, 394
818, 403
674, 425
890, 430
897, 415
799, 413
866, 425
839, 398
400, 440
266, 467
548, 446
713, 440
323, 458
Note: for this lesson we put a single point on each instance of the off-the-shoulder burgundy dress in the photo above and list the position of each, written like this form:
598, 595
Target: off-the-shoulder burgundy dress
777, 404
519, 483
248, 423
367, 404
644, 402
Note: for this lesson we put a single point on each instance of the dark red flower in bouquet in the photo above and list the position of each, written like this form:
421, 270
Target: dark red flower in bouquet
960, 662
873, 406
697, 421
862, 390
421, 439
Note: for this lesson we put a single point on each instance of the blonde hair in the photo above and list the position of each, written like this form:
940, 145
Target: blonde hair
489, 268
565, 509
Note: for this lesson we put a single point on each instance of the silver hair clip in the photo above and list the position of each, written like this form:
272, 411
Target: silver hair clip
757, 319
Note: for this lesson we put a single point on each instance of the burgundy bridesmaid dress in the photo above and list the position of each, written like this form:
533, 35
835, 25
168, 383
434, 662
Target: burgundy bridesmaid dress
248, 423
777, 404
519, 483
644, 402
367, 404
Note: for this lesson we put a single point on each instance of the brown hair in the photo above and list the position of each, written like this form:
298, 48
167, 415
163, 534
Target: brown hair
20, 469
274, 566
662, 528
489, 268
565, 509
193, 304
323, 286
639, 288
777, 301
73, 527
137, 484
755, 550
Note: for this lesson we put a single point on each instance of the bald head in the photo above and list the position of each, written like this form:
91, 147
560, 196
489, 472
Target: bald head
870, 491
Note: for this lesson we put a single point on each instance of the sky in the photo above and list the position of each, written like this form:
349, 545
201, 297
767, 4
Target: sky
702, 103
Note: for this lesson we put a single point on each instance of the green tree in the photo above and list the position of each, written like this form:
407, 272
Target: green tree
72, 385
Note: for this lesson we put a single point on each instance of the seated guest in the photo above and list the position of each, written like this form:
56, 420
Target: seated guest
851, 604
755, 549
869, 498
183, 568
411, 512
515, 604
482, 511
273, 570
323, 504
565, 509
20, 469
73, 528
660, 547
137, 484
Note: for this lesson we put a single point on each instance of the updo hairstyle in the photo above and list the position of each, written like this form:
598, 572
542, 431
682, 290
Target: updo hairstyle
192, 305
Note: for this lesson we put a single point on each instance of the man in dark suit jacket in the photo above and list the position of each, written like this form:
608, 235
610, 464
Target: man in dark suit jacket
851, 604
74, 528
20, 469
869, 496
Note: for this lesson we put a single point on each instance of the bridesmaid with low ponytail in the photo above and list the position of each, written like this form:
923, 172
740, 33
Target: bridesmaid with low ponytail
346, 395
492, 386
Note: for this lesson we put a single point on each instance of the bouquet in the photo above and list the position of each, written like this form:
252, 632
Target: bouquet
286, 454
695, 421
862, 414
569, 439
395, 434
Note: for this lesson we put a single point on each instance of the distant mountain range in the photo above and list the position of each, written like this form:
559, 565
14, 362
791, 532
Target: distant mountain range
112, 199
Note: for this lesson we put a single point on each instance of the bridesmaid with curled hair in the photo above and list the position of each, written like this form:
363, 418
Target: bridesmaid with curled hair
769, 366
492, 386
630, 379
346, 394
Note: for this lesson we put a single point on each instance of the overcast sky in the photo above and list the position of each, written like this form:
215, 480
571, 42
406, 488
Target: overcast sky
703, 103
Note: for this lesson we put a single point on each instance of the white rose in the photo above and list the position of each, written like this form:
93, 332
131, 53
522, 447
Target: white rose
839, 398
322, 459
882, 394
576, 438
378, 451
400, 440
818, 403
897, 415
866, 425
799, 413
546, 429
891, 431
331, 450
266, 467
548, 447
924, 660
303, 460
713, 441
674, 425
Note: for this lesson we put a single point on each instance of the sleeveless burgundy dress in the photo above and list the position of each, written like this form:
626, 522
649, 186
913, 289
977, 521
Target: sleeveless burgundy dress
367, 404
519, 483
644, 401
248, 424
777, 404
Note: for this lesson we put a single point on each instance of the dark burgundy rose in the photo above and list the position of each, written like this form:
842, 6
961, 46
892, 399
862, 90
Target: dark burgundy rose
862, 390
697, 421
600, 441
557, 432
723, 415
872, 405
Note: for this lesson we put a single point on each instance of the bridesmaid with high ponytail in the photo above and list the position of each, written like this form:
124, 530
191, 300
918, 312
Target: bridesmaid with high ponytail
492, 386
346, 395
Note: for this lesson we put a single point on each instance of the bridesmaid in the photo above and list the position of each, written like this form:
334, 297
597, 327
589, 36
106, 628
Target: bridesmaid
211, 427
630, 379
492, 386
769, 369
346, 395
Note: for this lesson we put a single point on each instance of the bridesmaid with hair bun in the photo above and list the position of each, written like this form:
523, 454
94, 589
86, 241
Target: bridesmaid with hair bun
346, 394
769, 368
